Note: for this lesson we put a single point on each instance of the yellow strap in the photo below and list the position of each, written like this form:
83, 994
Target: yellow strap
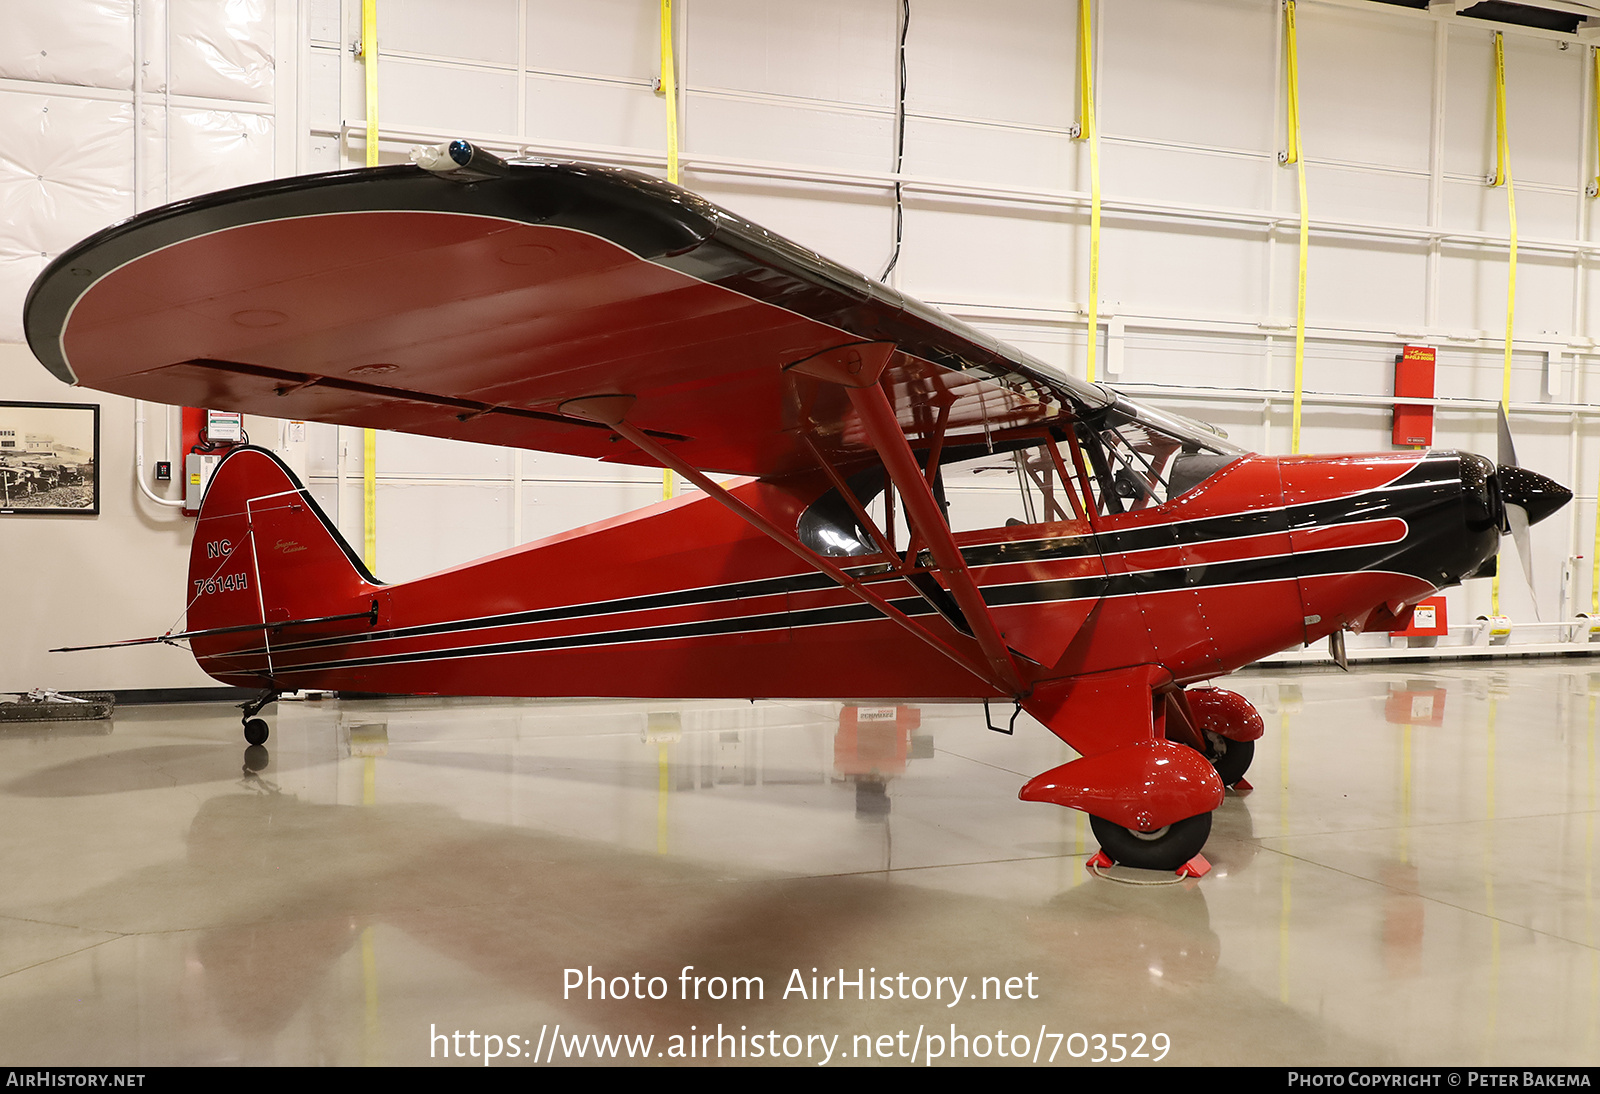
1087, 130
669, 88
1293, 156
369, 61
369, 439
1502, 177
1501, 141
369, 498
1594, 67
663, 787
1594, 581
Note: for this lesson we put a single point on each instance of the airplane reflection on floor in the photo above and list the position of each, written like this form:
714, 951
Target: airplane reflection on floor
1411, 881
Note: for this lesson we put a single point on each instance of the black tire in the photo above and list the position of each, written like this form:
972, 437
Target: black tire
255, 731
1230, 758
1164, 849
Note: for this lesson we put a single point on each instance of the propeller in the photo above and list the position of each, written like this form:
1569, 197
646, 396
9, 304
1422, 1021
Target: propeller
1527, 498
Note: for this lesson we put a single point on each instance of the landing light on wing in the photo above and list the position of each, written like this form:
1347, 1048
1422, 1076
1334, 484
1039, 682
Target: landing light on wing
459, 161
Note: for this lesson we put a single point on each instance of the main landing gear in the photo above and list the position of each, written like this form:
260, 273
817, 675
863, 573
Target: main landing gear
1164, 848
256, 729
1230, 727
1149, 798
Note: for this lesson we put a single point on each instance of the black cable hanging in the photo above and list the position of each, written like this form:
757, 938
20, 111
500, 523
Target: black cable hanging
899, 144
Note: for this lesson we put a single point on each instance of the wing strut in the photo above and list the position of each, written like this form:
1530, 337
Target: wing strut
922, 512
858, 368
611, 410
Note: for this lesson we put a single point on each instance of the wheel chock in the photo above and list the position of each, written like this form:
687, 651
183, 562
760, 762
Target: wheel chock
1242, 787
1100, 861
1195, 867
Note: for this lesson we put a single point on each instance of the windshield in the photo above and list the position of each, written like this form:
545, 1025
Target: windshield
1146, 457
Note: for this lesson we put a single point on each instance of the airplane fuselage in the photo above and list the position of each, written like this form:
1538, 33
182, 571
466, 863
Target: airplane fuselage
684, 599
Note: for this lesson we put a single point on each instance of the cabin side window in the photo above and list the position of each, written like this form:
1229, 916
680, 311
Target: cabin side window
829, 525
1017, 484
1121, 459
978, 487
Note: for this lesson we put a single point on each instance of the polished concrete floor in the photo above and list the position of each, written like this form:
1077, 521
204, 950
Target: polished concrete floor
1412, 881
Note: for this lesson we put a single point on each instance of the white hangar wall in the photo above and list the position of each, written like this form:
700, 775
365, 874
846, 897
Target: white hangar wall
787, 117
84, 144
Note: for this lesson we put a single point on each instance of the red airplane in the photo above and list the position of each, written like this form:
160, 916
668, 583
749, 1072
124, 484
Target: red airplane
580, 309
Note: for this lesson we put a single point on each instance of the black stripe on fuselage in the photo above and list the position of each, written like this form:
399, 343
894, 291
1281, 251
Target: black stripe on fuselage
679, 598
705, 628
1242, 572
1375, 504
1281, 568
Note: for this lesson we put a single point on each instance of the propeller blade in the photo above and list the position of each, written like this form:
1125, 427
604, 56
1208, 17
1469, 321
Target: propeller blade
1517, 516
1506, 456
1528, 498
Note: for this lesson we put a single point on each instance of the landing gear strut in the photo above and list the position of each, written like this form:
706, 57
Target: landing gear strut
256, 729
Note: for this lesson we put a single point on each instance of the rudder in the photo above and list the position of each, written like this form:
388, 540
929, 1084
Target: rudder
264, 553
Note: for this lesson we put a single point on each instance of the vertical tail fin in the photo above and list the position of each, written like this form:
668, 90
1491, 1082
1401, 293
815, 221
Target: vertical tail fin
265, 553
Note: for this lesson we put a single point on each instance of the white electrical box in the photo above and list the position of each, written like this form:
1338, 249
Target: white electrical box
197, 470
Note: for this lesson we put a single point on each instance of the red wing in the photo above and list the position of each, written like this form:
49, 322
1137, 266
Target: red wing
394, 299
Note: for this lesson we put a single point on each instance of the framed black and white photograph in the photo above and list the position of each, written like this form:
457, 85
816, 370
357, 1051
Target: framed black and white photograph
49, 458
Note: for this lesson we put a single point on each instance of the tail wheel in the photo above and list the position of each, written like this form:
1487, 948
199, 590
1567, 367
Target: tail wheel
255, 731
1230, 758
1165, 848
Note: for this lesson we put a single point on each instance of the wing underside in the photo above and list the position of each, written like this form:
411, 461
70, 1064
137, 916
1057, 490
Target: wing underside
394, 299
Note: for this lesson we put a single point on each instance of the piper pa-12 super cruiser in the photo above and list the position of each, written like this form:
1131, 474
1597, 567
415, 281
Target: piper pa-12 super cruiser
1129, 555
